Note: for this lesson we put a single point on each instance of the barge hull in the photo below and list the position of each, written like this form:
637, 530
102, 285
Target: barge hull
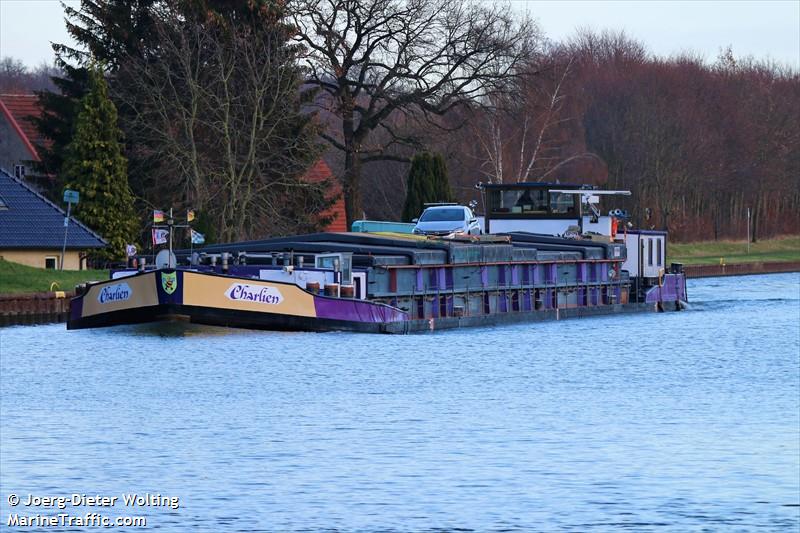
279, 322
434, 324
222, 317
391, 287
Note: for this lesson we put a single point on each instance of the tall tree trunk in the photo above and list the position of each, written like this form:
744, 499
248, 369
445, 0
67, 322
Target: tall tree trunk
352, 159
352, 193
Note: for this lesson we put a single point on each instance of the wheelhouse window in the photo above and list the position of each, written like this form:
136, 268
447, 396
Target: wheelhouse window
518, 201
563, 204
658, 253
342, 262
532, 202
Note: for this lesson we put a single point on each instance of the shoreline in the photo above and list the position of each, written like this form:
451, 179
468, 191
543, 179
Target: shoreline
741, 269
34, 308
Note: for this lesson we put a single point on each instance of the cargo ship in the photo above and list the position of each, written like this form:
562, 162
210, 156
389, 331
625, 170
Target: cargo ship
546, 253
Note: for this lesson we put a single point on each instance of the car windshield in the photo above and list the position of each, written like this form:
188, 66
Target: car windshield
442, 215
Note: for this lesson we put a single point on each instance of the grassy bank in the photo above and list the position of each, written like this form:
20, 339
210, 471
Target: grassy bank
708, 253
16, 278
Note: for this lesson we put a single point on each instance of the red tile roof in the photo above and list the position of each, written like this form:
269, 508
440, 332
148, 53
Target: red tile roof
319, 172
18, 108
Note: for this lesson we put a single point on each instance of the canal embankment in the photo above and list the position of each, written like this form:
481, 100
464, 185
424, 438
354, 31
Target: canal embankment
784, 249
38, 295
34, 308
741, 269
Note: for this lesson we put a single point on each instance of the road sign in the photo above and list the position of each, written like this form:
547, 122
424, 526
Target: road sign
70, 196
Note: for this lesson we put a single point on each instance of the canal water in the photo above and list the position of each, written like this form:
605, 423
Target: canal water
679, 421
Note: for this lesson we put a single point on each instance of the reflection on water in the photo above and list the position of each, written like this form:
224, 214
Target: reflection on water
170, 329
684, 421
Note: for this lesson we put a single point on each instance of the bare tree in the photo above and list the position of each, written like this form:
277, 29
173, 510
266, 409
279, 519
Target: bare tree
527, 136
16, 77
521, 134
12, 74
417, 57
489, 129
217, 115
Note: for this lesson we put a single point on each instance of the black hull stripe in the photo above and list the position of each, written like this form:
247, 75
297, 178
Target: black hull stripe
279, 322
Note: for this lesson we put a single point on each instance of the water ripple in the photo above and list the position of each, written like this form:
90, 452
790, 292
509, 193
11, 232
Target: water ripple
676, 421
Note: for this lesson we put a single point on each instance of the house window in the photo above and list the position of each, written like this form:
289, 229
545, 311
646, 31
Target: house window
19, 171
658, 253
51, 262
650, 252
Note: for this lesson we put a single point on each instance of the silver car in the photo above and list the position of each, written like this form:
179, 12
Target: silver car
447, 219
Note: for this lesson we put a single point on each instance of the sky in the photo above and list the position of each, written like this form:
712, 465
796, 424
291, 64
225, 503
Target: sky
763, 29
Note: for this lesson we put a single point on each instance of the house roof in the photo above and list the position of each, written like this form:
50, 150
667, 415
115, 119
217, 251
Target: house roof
320, 172
29, 220
19, 110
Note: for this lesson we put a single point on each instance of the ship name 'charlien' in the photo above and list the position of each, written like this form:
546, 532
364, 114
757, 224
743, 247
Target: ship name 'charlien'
114, 293
254, 293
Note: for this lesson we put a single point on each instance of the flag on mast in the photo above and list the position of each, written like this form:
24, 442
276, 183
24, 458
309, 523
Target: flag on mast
160, 236
158, 216
197, 237
190, 215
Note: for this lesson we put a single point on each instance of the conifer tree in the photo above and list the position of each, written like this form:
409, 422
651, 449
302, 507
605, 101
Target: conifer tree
95, 167
427, 183
105, 30
441, 183
419, 186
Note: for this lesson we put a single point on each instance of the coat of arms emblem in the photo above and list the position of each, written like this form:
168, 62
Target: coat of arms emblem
169, 281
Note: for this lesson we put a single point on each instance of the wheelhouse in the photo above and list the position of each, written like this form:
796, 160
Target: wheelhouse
547, 208
531, 200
